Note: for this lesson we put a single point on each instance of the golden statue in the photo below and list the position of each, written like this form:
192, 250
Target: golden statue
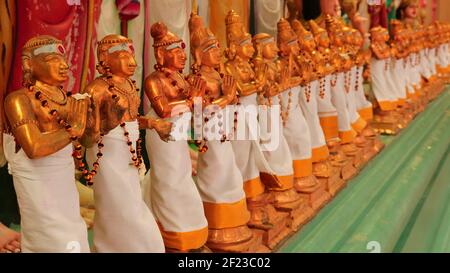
341, 86
386, 119
114, 127
321, 106
175, 200
263, 215
44, 121
329, 122
218, 177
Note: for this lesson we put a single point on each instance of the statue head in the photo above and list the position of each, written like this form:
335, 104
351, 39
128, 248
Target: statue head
287, 39
115, 55
305, 38
239, 42
320, 35
266, 46
169, 49
44, 59
204, 45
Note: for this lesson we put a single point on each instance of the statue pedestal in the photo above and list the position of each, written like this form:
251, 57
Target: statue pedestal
270, 224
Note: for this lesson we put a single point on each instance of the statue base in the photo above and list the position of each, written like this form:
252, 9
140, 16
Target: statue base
235, 239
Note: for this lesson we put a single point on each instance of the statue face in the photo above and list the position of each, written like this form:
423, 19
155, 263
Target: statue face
411, 11
323, 40
338, 39
309, 43
245, 50
270, 50
122, 63
50, 68
212, 56
175, 58
295, 48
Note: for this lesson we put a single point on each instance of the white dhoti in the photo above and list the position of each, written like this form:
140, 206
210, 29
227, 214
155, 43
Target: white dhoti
48, 201
358, 123
172, 194
220, 183
385, 97
363, 106
247, 151
327, 111
123, 222
338, 97
279, 156
296, 132
308, 103
398, 81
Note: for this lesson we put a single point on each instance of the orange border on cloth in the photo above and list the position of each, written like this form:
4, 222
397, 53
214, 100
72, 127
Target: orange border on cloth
387, 105
286, 181
253, 187
320, 153
401, 101
302, 167
359, 125
347, 136
366, 113
329, 127
184, 240
226, 215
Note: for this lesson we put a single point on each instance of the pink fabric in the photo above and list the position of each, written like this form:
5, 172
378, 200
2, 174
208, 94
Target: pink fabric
128, 9
63, 21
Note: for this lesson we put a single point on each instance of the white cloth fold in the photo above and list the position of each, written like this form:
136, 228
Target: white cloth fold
123, 222
48, 200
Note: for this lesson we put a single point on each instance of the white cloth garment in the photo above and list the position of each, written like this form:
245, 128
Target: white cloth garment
310, 111
248, 151
398, 79
350, 96
380, 81
279, 159
171, 193
48, 200
360, 98
340, 102
324, 105
296, 130
219, 179
123, 222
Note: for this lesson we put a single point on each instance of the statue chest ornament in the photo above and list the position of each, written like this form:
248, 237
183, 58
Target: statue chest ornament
245, 72
175, 85
126, 100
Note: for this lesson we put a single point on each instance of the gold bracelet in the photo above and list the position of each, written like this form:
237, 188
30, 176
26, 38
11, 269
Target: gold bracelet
23, 122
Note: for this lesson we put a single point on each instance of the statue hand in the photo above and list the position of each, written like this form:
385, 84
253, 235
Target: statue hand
229, 86
162, 127
78, 116
285, 76
199, 86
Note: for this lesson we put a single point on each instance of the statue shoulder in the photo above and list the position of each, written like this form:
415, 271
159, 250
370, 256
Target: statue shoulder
18, 105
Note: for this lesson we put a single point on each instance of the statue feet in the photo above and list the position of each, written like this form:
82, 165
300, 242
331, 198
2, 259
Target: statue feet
233, 239
272, 224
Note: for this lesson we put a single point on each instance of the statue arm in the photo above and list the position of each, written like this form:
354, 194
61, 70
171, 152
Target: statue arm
25, 127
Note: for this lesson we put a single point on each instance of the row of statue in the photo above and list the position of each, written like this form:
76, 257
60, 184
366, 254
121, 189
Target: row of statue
244, 198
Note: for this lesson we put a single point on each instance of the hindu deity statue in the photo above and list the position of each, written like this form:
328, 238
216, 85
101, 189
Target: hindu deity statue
45, 123
173, 196
114, 152
327, 65
277, 76
256, 172
340, 89
386, 119
315, 103
219, 179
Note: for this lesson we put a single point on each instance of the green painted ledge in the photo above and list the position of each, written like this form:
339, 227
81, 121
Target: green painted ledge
400, 201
